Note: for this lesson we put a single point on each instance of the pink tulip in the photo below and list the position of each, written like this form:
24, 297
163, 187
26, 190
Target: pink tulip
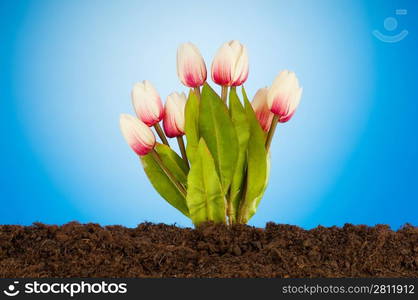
147, 103
230, 66
137, 134
191, 68
284, 95
174, 114
261, 109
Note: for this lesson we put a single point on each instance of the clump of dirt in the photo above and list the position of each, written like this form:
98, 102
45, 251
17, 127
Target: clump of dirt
158, 250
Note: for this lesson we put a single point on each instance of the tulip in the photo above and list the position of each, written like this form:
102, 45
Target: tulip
174, 114
284, 96
147, 103
141, 139
191, 68
137, 134
174, 120
261, 109
230, 66
148, 106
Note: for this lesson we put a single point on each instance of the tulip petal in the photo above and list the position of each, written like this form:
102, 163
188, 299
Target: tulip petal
137, 134
230, 65
261, 109
191, 68
147, 103
173, 121
241, 67
284, 95
222, 66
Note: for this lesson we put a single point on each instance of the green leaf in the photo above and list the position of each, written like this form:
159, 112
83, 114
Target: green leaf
258, 166
173, 162
215, 126
161, 182
205, 198
191, 126
242, 128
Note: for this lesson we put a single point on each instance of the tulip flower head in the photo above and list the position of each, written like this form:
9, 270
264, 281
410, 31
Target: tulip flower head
284, 95
137, 134
174, 114
261, 109
230, 66
147, 103
191, 68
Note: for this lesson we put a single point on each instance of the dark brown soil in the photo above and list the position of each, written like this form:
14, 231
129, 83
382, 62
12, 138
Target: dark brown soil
76, 250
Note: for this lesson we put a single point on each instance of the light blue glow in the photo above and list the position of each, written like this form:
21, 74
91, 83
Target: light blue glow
348, 155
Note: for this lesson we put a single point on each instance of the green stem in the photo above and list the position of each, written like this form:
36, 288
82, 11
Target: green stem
197, 92
224, 93
271, 131
157, 158
243, 207
233, 88
180, 141
229, 208
161, 134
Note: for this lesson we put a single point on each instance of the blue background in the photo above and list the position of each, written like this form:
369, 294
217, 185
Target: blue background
350, 154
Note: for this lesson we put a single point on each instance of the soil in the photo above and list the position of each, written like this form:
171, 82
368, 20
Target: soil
158, 250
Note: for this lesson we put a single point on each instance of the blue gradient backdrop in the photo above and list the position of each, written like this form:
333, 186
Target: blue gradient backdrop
67, 67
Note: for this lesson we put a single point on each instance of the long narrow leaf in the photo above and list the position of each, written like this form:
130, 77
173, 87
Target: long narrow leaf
192, 125
258, 166
205, 197
215, 126
173, 162
160, 180
242, 128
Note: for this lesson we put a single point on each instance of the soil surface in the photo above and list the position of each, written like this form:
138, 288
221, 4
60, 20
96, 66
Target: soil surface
158, 250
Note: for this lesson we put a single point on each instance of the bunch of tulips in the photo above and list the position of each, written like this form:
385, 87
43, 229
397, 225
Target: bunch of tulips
223, 169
